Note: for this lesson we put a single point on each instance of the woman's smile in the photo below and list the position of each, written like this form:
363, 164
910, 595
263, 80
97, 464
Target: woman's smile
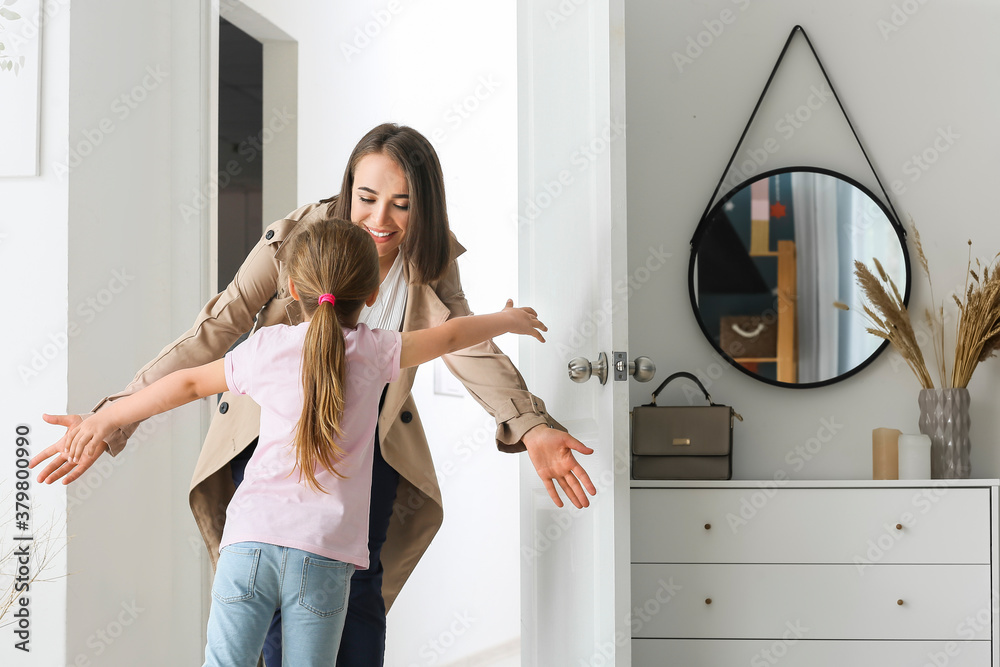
380, 236
381, 203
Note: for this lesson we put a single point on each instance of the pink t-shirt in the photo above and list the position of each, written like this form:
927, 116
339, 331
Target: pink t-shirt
273, 506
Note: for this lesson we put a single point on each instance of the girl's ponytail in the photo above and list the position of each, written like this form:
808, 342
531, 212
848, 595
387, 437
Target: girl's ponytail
323, 379
338, 258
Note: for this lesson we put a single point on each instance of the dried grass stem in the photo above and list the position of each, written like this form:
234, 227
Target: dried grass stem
977, 335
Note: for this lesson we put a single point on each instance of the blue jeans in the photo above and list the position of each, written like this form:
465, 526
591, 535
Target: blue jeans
252, 580
363, 643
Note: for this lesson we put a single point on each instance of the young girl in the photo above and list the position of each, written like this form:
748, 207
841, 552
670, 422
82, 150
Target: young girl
297, 526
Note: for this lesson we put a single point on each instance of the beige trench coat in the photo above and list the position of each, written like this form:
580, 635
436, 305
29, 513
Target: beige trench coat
259, 289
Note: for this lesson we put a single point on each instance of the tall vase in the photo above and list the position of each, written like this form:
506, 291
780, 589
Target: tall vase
944, 416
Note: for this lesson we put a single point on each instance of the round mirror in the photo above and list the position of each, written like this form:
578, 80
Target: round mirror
772, 257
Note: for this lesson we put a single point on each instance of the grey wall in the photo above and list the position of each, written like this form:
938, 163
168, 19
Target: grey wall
137, 276
907, 72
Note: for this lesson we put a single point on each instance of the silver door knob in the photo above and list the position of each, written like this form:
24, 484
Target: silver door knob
642, 369
581, 369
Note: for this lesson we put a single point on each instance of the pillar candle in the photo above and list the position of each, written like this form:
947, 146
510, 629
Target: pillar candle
885, 453
914, 457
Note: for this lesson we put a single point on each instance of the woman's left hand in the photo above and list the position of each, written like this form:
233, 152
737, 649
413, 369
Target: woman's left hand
551, 452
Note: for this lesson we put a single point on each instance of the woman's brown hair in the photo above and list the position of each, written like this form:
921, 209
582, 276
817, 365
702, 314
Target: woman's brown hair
339, 258
427, 243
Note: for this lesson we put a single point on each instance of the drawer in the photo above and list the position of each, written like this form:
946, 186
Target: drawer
940, 602
723, 653
796, 525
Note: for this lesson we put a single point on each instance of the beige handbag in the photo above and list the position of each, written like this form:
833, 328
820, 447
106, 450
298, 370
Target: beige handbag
682, 442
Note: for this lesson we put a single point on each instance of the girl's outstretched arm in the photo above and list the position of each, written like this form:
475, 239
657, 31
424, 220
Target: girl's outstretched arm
167, 393
461, 332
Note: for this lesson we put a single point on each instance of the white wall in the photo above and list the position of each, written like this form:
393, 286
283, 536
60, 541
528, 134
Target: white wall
900, 86
463, 601
33, 250
137, 84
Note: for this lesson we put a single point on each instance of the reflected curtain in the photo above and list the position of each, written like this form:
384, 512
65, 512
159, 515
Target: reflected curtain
814, 198
868, 234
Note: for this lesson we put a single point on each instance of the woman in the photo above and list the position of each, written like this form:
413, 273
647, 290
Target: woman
393, 187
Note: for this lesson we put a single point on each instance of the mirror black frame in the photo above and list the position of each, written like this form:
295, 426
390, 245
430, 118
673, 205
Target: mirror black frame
703, 226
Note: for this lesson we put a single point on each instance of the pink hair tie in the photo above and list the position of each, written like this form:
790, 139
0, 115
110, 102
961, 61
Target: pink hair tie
327, 298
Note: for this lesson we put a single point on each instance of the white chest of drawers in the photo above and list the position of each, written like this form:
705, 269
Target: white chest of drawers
815, 574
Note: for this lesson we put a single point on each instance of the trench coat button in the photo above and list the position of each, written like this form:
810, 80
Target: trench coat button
269, 235
407, 417
223, 408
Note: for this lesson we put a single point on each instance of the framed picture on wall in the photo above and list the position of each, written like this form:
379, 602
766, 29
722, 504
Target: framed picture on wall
20, 84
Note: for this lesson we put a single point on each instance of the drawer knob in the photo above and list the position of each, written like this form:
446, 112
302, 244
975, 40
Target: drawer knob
708, 526
899, 526
708, 600
899, 602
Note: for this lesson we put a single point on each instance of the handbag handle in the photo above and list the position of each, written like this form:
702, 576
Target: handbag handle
749, 334
682, 374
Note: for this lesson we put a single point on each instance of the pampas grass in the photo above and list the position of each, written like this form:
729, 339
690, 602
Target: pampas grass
889, 319
977, 334
935, 318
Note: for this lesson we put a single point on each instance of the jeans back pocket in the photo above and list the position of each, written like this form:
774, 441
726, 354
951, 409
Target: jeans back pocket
235, 574
325, 585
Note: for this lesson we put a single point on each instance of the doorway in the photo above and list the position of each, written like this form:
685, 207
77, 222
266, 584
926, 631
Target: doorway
240, 151
256, 133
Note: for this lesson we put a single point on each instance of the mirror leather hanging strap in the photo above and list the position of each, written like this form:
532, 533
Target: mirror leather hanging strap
760, 100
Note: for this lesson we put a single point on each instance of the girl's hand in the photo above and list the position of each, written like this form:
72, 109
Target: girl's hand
86, 439
60, 466
524, 321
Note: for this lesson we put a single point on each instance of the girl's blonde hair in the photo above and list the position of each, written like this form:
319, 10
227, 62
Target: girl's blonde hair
339, 258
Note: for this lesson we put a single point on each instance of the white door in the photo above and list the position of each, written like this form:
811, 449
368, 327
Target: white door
575, 590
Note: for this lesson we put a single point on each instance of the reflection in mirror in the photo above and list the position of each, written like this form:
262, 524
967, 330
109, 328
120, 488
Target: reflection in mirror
771, 258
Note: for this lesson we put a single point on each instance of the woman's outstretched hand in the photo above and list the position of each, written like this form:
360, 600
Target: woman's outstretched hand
61, 466
551, 452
